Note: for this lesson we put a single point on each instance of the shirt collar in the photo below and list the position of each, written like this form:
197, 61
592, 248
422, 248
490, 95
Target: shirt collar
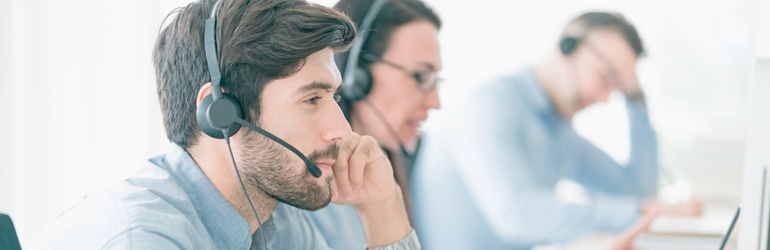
270, 230
534, 95
535, 92
227, 228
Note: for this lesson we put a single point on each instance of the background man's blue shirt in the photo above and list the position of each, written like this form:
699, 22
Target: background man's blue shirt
485, 176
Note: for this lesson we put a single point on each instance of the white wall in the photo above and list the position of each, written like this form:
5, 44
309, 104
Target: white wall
761, 27
6, 110
85, 113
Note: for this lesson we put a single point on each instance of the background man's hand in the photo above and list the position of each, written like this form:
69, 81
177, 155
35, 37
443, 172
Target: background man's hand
690, 207
625, 240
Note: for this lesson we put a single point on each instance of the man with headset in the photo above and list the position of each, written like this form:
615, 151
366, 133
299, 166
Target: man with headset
390, 78
495, 188
266, 65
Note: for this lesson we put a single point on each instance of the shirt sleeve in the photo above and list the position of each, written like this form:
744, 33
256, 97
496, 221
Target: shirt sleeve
143, 239
491, 147
597, 170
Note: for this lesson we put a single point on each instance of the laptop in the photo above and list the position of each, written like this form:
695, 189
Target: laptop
726, 237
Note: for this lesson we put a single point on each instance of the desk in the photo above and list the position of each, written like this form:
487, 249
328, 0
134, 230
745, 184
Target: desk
645, 241
678, 242
690, 233
669, 233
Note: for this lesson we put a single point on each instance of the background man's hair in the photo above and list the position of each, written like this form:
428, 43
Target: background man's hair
587, 22
258, 41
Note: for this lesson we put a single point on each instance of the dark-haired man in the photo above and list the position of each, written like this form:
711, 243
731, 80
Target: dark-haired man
277, 60
495, 187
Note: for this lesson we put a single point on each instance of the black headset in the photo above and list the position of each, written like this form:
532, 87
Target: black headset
592, 20
217, 112
220, 115
357, 80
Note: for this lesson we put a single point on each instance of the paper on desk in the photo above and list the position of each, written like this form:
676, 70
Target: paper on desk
712, 223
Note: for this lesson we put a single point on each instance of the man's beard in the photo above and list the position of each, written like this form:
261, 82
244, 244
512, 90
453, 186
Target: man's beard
266, 165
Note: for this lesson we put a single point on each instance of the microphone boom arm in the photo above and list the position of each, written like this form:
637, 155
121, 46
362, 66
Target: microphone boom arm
314, 170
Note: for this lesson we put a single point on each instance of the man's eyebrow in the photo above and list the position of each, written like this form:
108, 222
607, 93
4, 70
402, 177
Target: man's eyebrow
315, 86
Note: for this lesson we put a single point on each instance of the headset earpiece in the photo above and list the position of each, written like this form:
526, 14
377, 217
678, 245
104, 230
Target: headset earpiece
567, 45
361, 85
215, 115
357, 80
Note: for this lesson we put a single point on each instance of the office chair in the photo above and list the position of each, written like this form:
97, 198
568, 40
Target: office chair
8, 238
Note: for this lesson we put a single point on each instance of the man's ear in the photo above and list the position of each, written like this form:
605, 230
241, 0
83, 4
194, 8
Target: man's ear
202, 93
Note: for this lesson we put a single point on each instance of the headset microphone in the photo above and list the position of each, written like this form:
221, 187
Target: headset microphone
311, 167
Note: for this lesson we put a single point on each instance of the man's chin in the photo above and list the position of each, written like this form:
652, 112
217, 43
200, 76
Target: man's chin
313, 202
325, 203
314, 207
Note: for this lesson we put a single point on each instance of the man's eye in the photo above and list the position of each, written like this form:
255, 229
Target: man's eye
337, 97
313, 100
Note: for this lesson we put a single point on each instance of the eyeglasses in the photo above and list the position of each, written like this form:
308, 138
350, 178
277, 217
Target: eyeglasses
426, 80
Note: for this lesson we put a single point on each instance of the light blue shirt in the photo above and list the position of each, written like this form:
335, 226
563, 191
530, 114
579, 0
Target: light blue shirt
486, 175
338, 225
171, 204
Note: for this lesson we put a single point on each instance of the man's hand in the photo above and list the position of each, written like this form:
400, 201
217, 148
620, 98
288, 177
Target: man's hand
625, 240
690, 207
651, 209
362, 173
363, 178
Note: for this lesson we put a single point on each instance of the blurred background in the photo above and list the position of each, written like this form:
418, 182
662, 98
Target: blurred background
79, 109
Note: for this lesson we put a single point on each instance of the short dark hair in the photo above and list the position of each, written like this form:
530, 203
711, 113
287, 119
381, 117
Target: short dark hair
258, 41
597, 20
394, 14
